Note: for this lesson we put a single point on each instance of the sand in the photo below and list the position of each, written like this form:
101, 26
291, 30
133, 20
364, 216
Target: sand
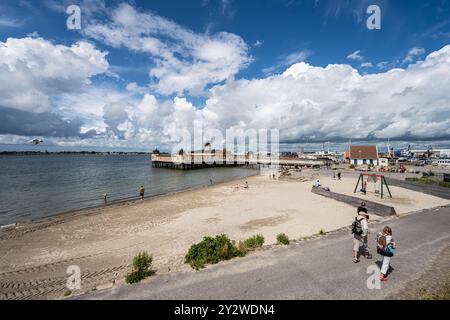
103, 241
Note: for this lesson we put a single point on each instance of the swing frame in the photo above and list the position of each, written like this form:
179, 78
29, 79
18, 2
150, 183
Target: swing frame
383, 182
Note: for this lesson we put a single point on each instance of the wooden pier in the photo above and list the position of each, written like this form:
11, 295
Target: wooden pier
198, 160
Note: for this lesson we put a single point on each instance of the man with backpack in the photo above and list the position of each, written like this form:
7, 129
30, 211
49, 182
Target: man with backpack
360, 230
363, 208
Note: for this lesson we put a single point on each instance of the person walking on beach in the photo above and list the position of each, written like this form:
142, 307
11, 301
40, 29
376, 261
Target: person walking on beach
339, 175
386, 248
141, 192
360, 230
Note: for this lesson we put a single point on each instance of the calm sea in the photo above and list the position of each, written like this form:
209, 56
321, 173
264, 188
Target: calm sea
34, 187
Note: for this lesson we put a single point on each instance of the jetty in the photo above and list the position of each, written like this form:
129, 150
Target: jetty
208, 158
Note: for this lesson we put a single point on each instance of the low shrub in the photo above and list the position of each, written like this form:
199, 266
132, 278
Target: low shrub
142, 264
282, 239
242, 248
254, 242
352, 166
212, 250
322, 232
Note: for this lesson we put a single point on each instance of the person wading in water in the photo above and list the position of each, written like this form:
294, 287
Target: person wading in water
141, 192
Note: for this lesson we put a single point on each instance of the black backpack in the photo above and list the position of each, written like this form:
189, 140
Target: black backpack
357, 227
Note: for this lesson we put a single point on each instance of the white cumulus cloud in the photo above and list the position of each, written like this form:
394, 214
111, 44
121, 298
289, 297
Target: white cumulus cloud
323, 103
183, 60
33, 70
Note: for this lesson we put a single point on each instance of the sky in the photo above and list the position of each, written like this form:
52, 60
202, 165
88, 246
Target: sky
140, 74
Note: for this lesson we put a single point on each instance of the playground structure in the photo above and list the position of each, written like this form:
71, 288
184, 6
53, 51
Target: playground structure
378, 180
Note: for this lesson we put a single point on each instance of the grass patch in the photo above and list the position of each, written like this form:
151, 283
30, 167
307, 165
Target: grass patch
282, 238
441, 294
322, 232
212, 250
142, 264
67, 293
254, 242
429, 181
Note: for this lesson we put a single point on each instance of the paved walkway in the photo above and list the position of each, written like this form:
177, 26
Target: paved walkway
314, 269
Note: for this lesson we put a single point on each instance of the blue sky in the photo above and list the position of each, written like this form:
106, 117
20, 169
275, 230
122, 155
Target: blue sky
329, 29
160, 65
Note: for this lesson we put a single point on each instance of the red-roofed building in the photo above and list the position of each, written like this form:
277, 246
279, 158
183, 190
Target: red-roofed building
363, 155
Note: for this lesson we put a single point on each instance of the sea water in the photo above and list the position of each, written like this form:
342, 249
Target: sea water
38, 186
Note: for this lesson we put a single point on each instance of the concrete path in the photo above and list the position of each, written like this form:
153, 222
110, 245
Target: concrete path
313, 269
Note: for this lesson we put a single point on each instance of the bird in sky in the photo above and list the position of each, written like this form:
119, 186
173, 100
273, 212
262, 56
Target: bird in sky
36, 141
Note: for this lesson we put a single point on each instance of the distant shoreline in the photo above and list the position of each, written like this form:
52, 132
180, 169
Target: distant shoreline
45, 153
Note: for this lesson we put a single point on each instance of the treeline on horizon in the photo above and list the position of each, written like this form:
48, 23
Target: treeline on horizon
26, 153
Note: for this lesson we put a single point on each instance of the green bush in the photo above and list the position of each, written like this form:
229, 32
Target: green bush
352, 166
322, 232
254, 242
282, 239
142, 264
211, 251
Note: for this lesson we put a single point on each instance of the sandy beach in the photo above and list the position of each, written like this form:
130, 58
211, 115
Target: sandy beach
103, 241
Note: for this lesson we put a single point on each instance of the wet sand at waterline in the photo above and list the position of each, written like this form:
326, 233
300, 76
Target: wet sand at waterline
103, 241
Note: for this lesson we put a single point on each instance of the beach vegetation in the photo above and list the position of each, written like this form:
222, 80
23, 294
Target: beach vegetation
352, 166
282, 238
439, 293
242, 248
254, 242
142, 268
212, 250
429, 181
67, 293
322, 232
